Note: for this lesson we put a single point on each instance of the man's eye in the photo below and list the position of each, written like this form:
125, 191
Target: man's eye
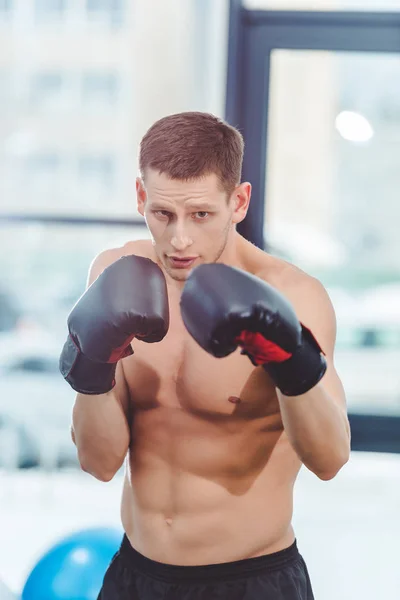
202, 214
163, 213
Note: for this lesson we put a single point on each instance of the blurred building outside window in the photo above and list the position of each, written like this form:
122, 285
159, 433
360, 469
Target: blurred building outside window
5, 81
48, 90
106, 11
42, 175
50, 9
97, 171
100, 89
5, 7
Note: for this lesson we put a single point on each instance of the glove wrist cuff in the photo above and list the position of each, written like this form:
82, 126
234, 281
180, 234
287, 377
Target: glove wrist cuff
85, 376
302, 371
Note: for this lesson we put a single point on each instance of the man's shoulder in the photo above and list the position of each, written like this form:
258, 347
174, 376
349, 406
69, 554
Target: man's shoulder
279, 272
272, 269
295, 283
110, 255
303, 290
138, 247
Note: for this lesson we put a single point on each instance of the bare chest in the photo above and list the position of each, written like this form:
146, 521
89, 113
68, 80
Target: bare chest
211, 417
178, 373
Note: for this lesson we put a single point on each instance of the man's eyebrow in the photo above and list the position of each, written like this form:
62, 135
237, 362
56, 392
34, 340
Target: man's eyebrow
196, 205
203, 205
159, 204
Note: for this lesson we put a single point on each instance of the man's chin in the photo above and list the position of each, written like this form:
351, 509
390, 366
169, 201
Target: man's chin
179, 274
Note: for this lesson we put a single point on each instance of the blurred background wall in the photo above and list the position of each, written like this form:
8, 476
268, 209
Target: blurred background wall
80, 83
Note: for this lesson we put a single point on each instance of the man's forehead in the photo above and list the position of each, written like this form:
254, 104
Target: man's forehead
161, 183
168, 202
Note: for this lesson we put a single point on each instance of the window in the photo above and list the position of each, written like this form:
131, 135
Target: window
43, 163
43, 271
4, 87
41, 176
330, 5
97, 170
100, 89
5, 5
50, 9
336, 215
9, 313
110, 11
47, 89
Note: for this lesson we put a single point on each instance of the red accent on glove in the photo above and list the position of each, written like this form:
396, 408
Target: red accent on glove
261, 350
122, 351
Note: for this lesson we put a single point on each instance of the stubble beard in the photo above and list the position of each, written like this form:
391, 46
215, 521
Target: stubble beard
176, 275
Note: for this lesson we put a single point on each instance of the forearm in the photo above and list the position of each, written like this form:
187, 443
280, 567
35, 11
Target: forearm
318, 430
101, 433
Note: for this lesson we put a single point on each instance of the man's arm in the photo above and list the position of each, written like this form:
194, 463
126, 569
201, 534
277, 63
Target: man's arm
282, 326
101, 423
101, 429
316, 422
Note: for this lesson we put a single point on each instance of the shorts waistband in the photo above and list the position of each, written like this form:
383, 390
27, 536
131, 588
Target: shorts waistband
229, 570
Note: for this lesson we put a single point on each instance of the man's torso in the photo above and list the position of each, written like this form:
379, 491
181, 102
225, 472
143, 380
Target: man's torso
210, 471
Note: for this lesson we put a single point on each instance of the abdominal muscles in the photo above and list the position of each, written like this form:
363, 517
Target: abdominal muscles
196, 493
210, 472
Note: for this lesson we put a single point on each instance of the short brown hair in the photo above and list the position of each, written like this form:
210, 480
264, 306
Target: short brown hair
189, 145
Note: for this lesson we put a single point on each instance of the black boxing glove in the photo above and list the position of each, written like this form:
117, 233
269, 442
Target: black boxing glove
129, 299
224, 308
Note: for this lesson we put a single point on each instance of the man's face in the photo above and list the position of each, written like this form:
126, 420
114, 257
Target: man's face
190, 222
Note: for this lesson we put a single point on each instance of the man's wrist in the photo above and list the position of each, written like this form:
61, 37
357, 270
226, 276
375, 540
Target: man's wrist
302, 371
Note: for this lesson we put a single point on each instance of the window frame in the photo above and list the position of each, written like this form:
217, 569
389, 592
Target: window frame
253, 36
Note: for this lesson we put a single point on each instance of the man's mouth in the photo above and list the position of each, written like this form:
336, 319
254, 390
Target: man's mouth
182, 263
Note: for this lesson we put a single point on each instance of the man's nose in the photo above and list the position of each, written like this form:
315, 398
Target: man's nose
181, 239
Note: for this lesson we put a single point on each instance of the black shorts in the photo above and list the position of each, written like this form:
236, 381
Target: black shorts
279, 576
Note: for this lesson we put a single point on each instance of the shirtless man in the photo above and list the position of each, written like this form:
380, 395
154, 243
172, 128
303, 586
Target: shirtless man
228, 392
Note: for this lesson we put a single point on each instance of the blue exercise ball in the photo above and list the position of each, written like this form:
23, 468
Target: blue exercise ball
74, 568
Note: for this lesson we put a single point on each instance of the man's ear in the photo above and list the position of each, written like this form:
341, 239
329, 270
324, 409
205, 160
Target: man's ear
140, 195
241, 200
